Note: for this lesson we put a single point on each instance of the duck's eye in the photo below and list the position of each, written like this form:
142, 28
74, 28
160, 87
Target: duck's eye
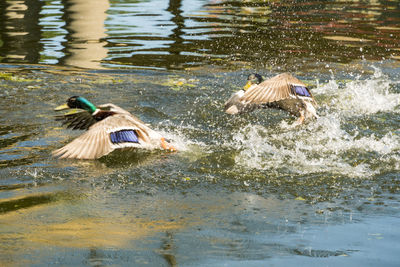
255, 78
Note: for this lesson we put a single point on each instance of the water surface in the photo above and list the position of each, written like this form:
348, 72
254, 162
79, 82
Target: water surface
246, 190
179, 34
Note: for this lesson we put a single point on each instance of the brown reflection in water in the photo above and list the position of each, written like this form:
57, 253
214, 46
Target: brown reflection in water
291, 34
9, 205
20, 31
167, 249
85, 25
100, 221
86, 229
296, 30
98, 232
176, 47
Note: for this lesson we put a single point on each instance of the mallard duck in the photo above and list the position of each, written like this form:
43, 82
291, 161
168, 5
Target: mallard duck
282, 91
108, 126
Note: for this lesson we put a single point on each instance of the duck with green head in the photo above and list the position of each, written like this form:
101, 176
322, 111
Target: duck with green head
282, 91
108, 126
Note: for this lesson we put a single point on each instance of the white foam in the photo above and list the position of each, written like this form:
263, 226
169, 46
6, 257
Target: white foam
367, 96
320, 148
178, 139
324, 145
331, 144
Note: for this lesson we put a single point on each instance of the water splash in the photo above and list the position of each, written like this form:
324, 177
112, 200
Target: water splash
333, 144
359, 97
178, 138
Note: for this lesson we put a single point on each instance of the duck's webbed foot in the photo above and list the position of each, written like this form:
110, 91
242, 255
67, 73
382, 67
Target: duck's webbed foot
167, 146
299, 121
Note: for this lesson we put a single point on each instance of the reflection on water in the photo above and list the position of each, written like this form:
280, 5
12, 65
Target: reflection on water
219, 228
20, 31
85, 43
180, 34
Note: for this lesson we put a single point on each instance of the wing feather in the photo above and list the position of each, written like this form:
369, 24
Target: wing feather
102, 139
91, 146
96, 142
274, 89
75, 149
77, 119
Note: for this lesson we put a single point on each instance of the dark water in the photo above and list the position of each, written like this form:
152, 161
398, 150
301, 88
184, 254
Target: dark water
241, 191
180, 34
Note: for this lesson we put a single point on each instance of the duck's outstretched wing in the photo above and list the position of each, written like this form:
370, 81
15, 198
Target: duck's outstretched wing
235, 106
113, 132
77, 119
277, 88
280, 87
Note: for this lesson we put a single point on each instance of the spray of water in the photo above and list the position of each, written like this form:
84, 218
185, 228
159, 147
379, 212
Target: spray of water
339, 142
334, 143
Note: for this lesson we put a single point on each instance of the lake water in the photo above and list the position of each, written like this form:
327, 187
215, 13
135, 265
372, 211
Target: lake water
245, 190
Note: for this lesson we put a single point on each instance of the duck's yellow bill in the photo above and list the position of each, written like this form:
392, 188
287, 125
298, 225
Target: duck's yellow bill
74, 111
62, 107
247, 86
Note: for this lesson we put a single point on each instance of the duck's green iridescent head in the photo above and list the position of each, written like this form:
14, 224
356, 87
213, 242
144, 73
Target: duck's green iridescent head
78, 102
253, 78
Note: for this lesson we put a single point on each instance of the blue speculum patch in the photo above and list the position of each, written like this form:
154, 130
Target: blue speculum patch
124, 136
301, 90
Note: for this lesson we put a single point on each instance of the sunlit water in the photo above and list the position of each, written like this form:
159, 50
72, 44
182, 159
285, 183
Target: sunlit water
248, 190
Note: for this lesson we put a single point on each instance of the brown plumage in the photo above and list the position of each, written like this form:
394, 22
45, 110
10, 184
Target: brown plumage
104, 125
282, 91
